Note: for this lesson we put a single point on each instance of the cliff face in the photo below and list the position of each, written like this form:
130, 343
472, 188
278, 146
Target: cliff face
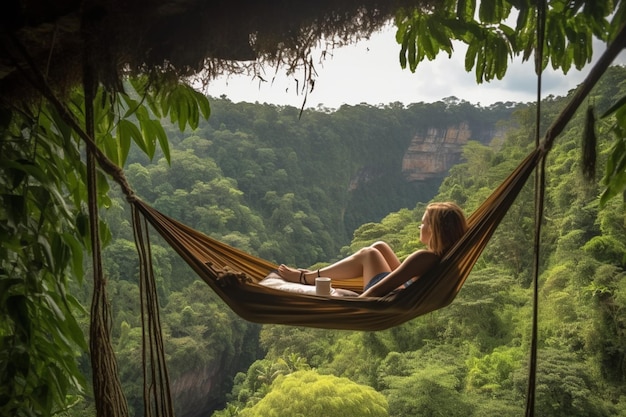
431, 155
196, 393
406, 174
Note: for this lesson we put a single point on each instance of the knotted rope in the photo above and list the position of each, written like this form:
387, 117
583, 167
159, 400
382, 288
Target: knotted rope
110, 400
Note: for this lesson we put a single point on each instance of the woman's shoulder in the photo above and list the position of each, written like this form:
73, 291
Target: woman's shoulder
423, 259
426, 254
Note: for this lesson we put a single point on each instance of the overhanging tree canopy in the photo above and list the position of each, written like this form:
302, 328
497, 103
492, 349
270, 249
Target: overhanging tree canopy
180, 38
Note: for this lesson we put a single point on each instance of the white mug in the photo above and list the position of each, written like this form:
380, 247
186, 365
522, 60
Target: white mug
322, 286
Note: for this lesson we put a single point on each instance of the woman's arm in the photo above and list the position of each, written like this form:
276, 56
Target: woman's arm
415, 265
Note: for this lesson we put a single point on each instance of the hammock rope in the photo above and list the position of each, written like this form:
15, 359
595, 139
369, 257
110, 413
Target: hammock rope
109, 397
156, 389
540, 182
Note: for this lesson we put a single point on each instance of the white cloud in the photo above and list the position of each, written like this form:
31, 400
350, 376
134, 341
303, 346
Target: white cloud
370, 72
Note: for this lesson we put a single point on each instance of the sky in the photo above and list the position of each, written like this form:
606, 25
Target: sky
370, 72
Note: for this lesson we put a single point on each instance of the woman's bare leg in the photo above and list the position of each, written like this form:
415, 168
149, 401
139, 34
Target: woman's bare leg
388, 254
366, 263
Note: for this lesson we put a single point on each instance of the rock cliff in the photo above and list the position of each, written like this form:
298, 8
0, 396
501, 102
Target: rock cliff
432, 154
197, 392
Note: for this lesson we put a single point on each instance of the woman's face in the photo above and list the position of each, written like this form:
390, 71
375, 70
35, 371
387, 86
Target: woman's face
425, 230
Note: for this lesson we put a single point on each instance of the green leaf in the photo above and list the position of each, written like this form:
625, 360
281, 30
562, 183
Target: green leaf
159, 132
470, 55
111, 149
424, 42
76, 257
123, 149
54, 308
103, 189
440, 35
404, 48
192, 107
489, 62
204, 105
502, 58
462, 12
6, 285
523, 18
82, 224
16, 176
480, 64
487, 11
615, 172
150, 146
510, 36
75, 332
182, 112
412, 51
614, 188
29, 169
555, 35
616, 159
131, 104
154, 105
127, 131
165, 102
45, 251
61, 254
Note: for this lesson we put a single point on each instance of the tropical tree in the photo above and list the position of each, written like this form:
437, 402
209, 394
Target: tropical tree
423, 383
306, 393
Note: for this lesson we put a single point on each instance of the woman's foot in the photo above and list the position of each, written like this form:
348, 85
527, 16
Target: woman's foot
293, 274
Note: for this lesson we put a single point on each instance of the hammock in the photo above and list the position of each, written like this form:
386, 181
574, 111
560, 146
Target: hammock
235, 275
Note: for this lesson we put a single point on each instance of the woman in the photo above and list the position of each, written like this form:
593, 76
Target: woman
442, 225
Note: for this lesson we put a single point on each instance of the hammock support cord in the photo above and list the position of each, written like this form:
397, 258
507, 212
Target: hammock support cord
109, 397
156, 389
540, 182
553, 131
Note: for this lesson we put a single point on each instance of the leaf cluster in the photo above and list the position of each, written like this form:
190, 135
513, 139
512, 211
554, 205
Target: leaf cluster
45, 233
565, 30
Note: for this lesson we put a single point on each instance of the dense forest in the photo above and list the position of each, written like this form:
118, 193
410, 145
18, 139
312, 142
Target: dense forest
273, 182
297, 170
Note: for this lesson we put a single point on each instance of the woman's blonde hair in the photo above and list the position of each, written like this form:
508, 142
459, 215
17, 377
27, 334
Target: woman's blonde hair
447, 224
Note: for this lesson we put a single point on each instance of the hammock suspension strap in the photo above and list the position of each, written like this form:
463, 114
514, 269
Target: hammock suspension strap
108, 394
539, 200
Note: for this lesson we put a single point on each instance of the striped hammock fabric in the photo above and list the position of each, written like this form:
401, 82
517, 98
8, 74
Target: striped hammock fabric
235, 275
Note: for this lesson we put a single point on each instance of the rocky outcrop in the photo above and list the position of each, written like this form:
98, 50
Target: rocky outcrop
432, 154
363, 176
195, 393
